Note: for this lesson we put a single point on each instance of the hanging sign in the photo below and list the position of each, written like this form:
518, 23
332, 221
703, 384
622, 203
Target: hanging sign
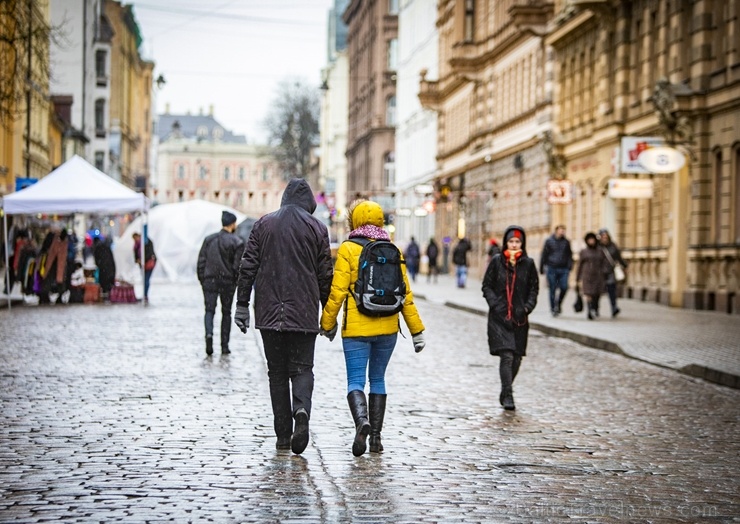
662, 160
559, 191
630, 188
632, 147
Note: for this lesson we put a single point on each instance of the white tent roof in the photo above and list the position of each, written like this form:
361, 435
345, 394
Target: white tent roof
75, 187
177, 231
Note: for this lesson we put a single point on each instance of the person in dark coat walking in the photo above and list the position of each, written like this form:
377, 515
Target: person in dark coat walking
106, 264
614, 256
591, 275
510, 287
288, 262
460, 259
413, 257
557, 261
218, 272
432, 254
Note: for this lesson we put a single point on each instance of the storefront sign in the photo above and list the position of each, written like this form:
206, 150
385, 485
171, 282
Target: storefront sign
630, 188
559, 191
632, 147
662, 160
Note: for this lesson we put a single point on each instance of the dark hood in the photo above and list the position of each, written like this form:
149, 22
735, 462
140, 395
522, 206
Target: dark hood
522, 235
299, 193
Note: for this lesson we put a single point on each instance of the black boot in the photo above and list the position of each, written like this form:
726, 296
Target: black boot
358, 407
209, 345
377, 414
507, 399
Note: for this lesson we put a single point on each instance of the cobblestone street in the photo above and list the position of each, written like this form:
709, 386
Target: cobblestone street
113, 413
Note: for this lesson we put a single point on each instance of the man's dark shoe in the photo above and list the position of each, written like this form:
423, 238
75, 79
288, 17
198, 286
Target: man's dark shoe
282, 443
225, 350
299, 440
209, 345
615, 312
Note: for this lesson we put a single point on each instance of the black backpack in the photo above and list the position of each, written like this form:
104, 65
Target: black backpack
379, 290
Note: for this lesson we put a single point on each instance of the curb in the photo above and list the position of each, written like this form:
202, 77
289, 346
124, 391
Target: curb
693, 370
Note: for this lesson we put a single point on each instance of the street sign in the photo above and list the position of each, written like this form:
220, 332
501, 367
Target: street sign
632, 147
662, 160
630, 188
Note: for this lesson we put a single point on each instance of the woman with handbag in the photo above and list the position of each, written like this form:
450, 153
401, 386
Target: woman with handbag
618, 265
150, 261
591, 276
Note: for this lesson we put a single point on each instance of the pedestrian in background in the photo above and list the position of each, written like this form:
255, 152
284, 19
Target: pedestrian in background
103, 256
614, 256
593, 267
218, 271
510, 287
288, 262
150, 261
54, 265
493, 250
413, 257
432, 253
368, 341
460, 259
557, 261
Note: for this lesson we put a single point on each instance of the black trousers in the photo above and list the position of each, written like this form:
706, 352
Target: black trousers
289, 363
210, 297
508, 368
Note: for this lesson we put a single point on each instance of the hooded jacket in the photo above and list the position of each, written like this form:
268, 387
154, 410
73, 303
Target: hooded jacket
510, 333
287, 261
346, 270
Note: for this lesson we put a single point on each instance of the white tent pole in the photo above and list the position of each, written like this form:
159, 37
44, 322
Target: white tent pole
7, 257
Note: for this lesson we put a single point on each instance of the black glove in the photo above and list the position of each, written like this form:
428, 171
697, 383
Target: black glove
241, 318
331, 333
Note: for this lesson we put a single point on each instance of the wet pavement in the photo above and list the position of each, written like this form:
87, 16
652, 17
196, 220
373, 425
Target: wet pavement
112, 413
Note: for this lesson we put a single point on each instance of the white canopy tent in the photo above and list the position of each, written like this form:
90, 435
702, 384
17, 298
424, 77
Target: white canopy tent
74, 187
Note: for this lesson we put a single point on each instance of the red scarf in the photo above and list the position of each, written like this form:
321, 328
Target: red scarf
512, 257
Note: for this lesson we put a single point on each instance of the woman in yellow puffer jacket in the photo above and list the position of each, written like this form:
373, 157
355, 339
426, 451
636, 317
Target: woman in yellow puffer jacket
368, 342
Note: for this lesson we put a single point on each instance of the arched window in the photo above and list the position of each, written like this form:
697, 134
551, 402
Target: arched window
389, 169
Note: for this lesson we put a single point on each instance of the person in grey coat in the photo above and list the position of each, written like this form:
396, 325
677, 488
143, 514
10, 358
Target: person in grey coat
593, 267
510, 287
288, 263
218, 271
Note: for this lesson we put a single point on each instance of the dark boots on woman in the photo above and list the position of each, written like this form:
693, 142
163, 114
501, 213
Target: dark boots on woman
377, 414
358, 407
507, 399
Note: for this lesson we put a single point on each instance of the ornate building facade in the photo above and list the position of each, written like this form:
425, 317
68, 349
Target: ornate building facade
667, 70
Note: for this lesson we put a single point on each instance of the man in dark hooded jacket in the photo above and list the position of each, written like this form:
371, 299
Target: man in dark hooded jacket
288, 262
218, 271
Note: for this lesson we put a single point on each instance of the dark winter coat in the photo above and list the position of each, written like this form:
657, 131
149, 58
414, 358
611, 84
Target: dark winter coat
503, 334
218, 261
432, 253
556, 253
593, 267
616, 255
288, 262
460, 253
106, 264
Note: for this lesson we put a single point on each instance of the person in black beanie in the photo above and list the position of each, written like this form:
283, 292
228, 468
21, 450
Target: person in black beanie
510, 287
218, 272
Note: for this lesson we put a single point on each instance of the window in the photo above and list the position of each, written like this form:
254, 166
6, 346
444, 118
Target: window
736, 167
392, 54
218, 133
100, 67
181, 172
100, 117
469, 34
241, 173
718, 196
202, 132
389, 169
203, 174
392, 7
100, 160
227, 173
264, 174
390, 111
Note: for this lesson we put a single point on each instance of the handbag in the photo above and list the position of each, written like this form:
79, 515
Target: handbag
619, 275
578, 305
149, 264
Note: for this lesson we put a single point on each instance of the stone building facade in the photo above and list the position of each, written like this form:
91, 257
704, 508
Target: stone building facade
372, 53
667, 69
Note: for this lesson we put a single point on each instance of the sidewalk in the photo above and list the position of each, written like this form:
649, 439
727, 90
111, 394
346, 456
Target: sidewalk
697, 343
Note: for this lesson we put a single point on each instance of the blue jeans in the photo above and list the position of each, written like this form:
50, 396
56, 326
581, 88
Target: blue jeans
462, 275
361, 351
147, 279
557, 278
